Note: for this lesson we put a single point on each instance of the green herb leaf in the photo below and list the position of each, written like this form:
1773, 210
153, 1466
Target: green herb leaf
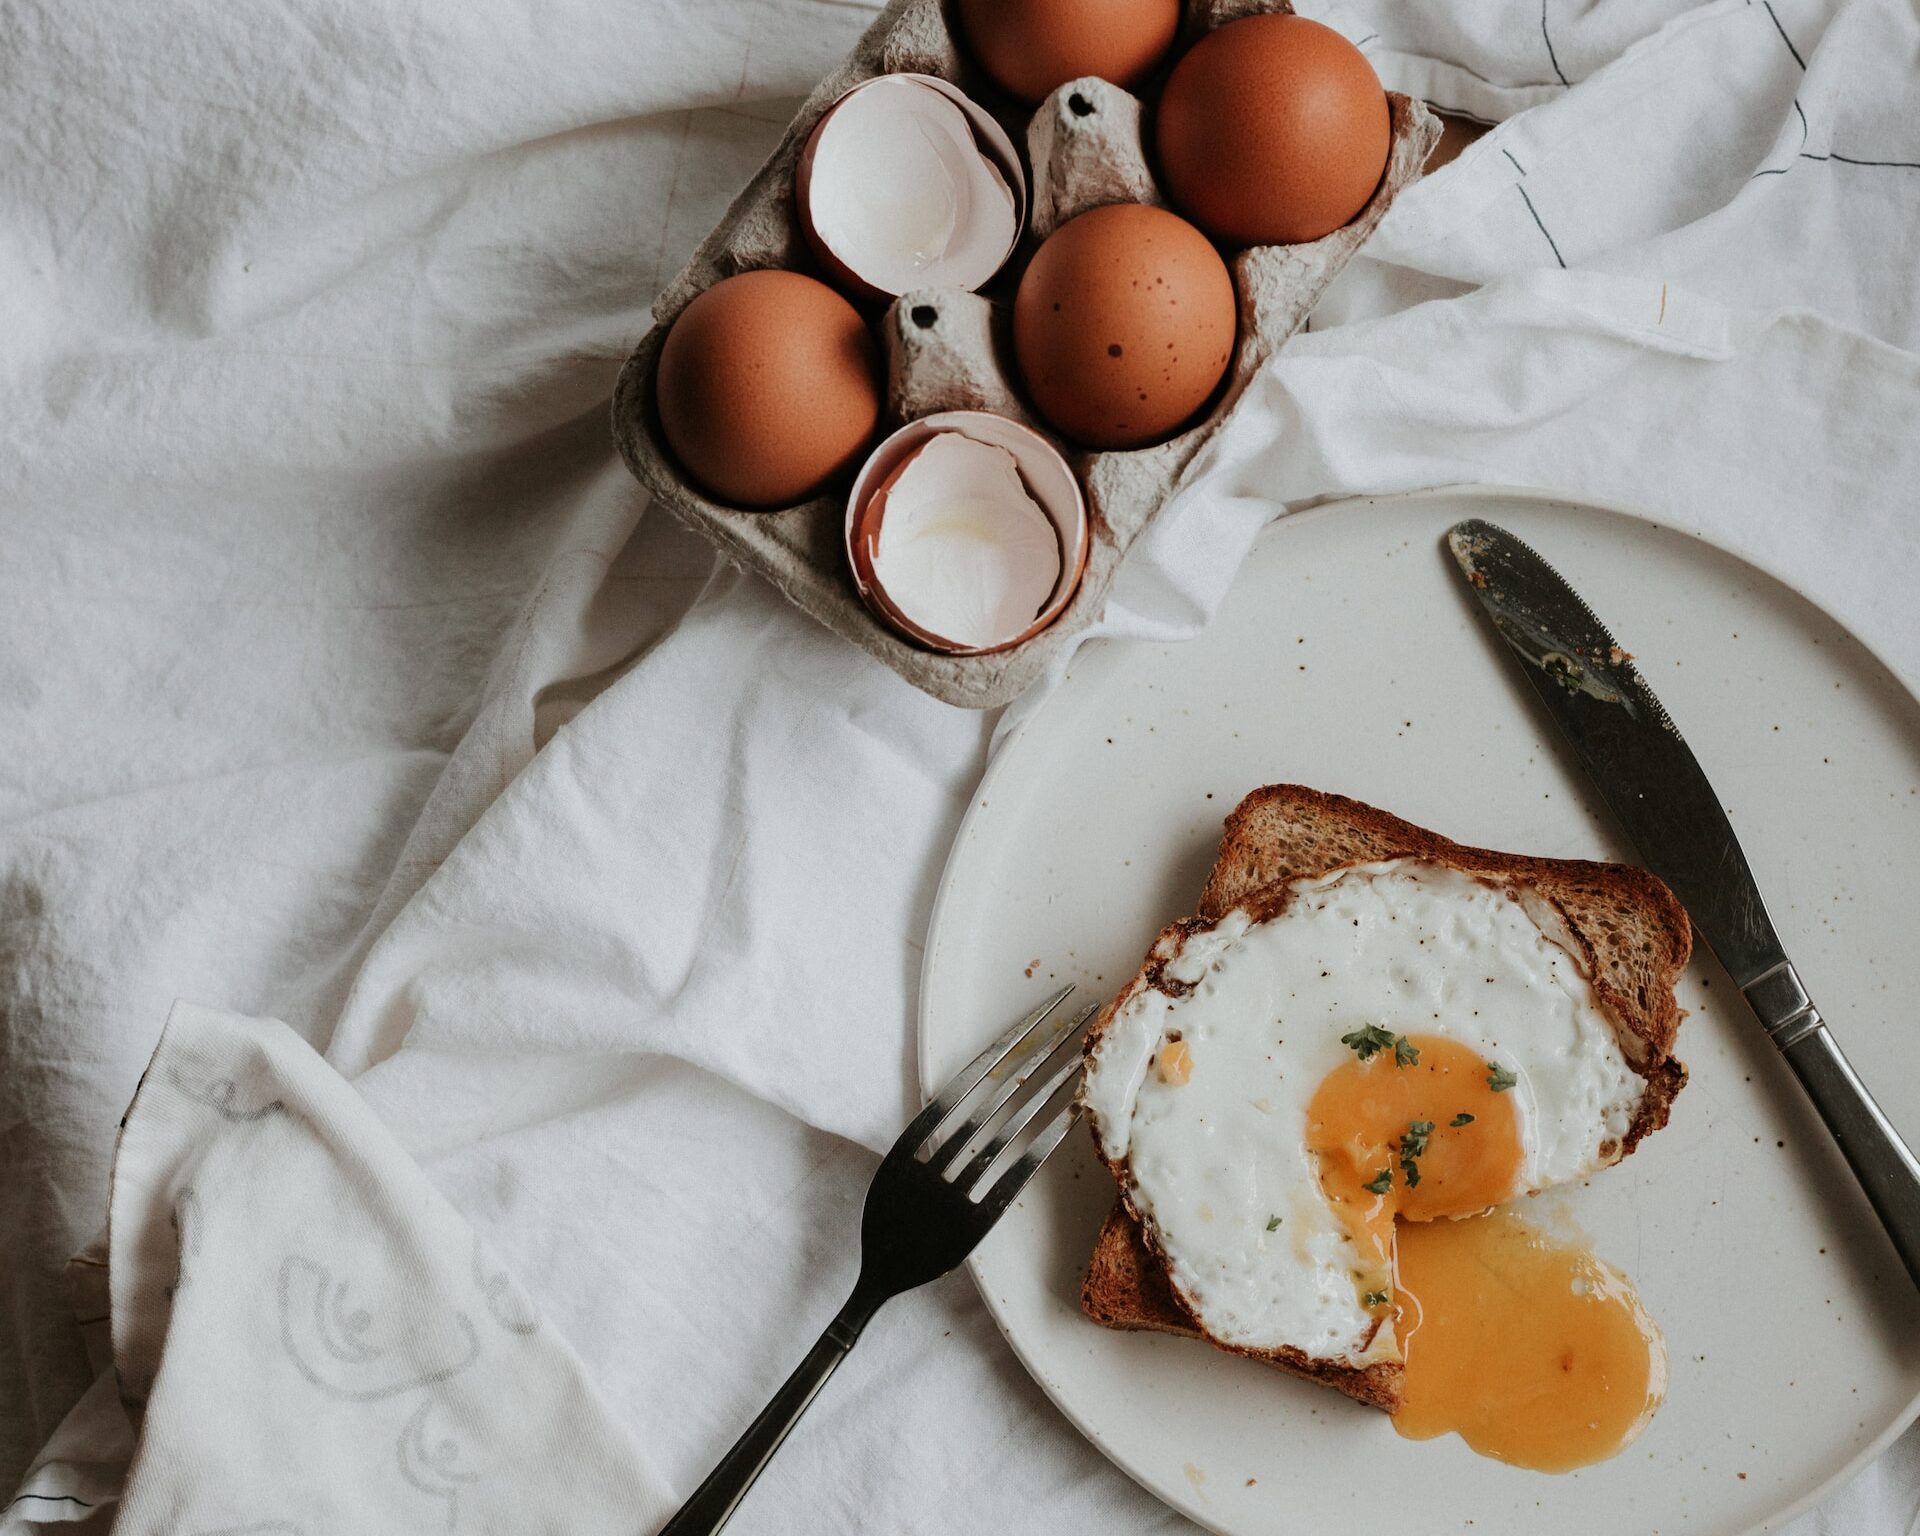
1374, 1299
1368, 1042
1500, 1079
1272, 1222
1380, 1183
1413, 1144
1463, 1118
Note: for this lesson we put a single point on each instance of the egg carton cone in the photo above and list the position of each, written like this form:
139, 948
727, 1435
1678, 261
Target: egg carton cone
949, 350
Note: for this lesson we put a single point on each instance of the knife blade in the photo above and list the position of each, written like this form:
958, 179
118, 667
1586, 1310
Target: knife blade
1634, 754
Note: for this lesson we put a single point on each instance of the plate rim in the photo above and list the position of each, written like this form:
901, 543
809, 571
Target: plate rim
1005, 752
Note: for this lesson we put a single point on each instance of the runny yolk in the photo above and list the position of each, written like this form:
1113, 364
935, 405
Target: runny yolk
1367, 1118
1535, 1352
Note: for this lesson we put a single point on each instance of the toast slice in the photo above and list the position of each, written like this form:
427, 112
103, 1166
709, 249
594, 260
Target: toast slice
1632, 933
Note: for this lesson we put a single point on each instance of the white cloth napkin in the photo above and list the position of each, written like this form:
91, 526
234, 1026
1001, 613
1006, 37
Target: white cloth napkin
345, 544
362, 1311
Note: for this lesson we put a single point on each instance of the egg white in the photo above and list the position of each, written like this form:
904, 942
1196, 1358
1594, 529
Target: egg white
1413, 947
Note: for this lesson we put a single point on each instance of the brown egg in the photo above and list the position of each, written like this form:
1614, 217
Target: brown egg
1272, 130
769, 387
1031, 46
1123, 325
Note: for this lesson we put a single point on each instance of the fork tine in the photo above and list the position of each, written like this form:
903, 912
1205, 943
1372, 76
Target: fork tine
963, 1082
980, 1115
1018, 1121
1010, 1183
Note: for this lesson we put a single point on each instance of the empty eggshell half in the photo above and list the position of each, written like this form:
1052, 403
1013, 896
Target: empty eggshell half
966, 532
905, 183
959, 545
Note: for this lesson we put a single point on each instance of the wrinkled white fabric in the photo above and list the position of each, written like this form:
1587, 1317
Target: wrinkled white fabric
310, 535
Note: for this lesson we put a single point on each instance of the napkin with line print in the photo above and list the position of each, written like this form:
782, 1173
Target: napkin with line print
363, 1320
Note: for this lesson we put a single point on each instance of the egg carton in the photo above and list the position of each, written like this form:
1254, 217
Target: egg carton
951, 350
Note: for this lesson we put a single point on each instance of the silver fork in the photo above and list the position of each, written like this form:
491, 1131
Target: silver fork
926, 1210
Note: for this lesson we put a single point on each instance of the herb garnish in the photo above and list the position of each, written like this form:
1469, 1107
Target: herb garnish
1272, 1222
1380, 1183
1500, 1079
1463, 1118
1374, 1299
1413, 1143
1369, 1040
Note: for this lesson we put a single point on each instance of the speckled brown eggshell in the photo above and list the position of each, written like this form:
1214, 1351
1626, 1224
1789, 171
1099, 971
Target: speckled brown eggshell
1272, 130
769, 388
1031, 47
1123, 326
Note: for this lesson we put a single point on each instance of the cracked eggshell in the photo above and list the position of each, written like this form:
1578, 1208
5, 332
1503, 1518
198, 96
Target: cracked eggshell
902, 145
1043, 474
958, 546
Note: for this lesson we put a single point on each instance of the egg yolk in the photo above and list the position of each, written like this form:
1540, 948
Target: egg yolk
1534, 1352
1418, 1139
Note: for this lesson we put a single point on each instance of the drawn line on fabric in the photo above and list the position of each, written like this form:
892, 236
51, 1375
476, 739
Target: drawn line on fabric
1902, 165
218, 1095
1783, 34
1484, 122
50, 1498
338, 1334
432, 1466
1554, 58
505, 1302
1551, 243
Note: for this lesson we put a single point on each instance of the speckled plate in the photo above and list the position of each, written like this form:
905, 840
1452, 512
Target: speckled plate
1348, 658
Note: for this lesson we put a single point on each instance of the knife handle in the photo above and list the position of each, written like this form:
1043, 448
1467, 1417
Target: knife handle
1883, 1163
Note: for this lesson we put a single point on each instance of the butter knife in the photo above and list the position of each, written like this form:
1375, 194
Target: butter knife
1634, 754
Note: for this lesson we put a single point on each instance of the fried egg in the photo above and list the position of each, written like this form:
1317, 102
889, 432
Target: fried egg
1299, 1100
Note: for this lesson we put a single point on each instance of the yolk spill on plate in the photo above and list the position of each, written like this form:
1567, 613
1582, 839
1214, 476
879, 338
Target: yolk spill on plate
1534, 1351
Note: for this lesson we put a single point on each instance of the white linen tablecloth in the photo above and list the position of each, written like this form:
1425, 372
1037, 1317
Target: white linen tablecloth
346, 680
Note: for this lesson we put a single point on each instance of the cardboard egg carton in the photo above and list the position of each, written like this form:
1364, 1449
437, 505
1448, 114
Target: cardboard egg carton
949, 350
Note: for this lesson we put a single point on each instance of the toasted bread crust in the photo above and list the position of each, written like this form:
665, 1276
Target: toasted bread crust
1633, 935
1126, 1287
1285, 832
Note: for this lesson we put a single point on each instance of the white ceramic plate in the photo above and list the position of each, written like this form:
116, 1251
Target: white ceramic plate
1347, 657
